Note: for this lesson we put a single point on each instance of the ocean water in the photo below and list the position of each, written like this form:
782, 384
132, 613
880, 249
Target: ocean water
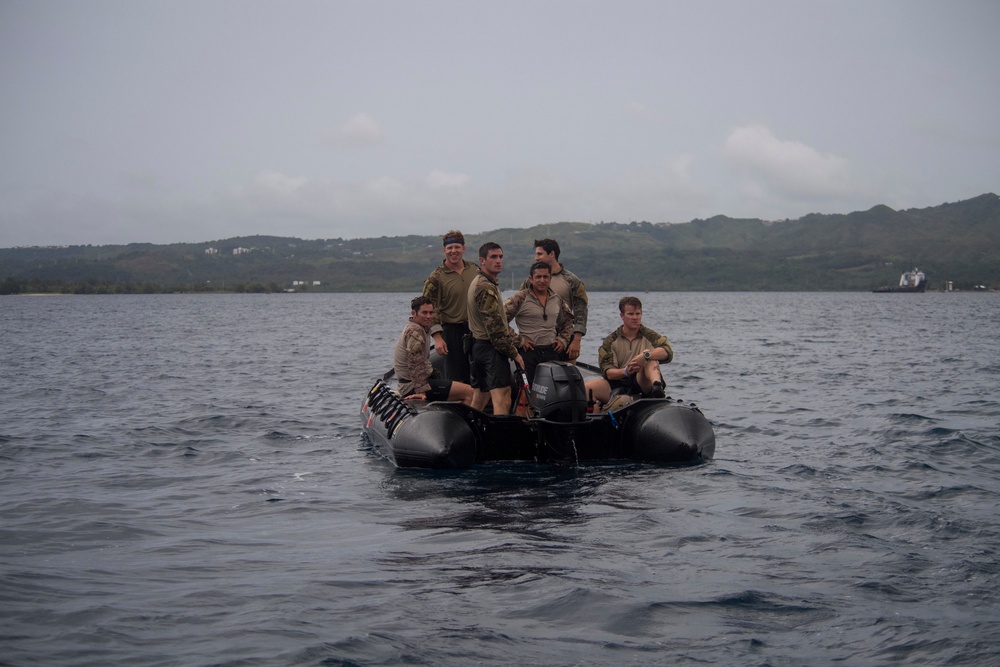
183, 481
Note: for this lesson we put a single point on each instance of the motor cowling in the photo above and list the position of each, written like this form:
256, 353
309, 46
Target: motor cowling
557, 392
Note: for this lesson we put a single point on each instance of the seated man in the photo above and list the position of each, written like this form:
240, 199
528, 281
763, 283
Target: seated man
630, 357
411, 360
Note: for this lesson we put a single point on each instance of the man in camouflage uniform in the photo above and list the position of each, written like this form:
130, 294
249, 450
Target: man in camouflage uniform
570, 289
411, 360
630, 357
494, 343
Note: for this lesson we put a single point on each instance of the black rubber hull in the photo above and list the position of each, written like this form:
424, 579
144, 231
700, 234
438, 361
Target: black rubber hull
453, 436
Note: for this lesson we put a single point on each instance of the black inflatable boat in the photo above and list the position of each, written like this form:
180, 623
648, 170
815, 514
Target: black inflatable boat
445, 435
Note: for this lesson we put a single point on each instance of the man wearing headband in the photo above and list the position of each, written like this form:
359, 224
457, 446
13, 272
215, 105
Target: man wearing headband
448, 288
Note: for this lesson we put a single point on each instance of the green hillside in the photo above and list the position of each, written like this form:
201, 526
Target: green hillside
958, 242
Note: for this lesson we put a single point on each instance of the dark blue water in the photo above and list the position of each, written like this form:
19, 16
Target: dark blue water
183, 482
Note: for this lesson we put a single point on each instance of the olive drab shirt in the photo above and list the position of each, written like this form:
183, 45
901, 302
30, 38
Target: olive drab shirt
617, 350
449, 292
487, 317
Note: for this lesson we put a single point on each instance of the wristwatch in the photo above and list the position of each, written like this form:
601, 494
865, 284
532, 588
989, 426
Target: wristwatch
645, 355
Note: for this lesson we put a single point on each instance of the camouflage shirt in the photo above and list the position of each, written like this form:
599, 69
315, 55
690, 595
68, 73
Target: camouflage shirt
617, 350
488, 319
411, 359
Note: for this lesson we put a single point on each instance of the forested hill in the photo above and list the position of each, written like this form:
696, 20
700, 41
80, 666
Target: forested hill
958, 242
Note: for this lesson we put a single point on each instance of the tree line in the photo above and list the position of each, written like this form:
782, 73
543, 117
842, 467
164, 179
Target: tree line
957, 242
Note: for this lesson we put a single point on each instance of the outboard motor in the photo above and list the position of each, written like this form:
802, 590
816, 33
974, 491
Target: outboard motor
557, 392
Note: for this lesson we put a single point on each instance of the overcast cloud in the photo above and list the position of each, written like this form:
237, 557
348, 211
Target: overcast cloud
149, 121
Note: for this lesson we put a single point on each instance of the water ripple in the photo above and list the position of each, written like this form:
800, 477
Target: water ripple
185, 482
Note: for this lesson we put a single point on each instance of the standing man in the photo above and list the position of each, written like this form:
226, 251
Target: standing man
494, 343
570, 289
630, 356
412, 364
448, 289
544, 321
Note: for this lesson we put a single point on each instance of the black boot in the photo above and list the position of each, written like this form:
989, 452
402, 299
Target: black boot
656, 391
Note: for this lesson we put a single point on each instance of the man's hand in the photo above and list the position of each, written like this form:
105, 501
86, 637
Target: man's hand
573, 351
440, 346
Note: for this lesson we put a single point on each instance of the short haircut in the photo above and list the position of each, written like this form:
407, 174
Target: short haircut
418, 301
538, 266
484, 249
453, 236
629, 301
548, 245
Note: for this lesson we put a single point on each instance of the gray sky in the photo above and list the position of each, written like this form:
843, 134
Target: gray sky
173, 120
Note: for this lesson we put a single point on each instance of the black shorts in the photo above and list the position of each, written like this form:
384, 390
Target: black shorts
629, 386
490, 369
439, 391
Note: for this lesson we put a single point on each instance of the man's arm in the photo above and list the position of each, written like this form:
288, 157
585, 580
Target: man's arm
502, 337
